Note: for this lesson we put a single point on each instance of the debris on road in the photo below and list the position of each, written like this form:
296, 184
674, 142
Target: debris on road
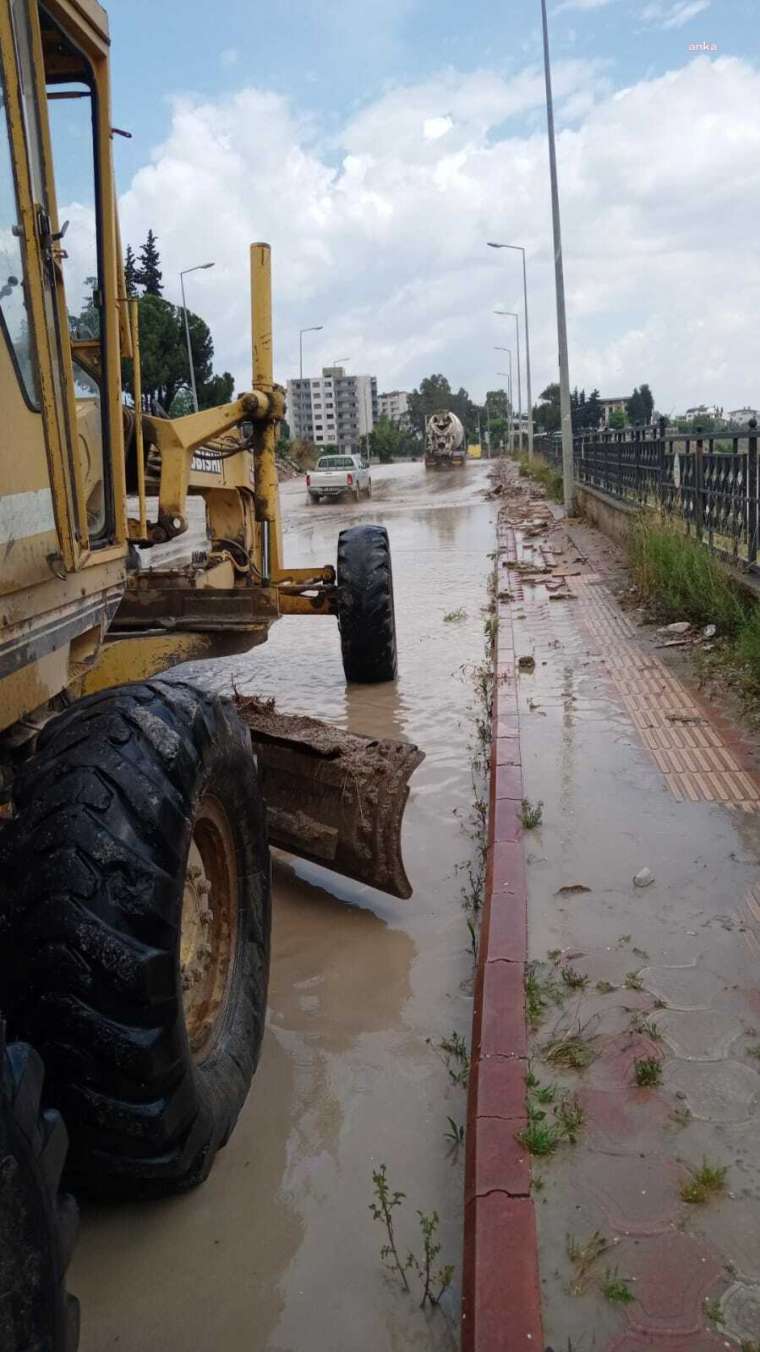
644, 878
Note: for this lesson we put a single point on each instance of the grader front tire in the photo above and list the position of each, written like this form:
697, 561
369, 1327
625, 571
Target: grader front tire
366, 611
140, 860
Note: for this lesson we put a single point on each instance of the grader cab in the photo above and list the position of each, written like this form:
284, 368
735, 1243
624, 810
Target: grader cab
136, 810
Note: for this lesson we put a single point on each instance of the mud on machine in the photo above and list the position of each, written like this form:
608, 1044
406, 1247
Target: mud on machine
137, 810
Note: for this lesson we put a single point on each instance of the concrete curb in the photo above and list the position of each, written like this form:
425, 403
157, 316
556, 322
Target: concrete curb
501, 1302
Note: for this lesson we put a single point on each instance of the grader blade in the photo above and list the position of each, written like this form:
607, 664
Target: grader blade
334, 797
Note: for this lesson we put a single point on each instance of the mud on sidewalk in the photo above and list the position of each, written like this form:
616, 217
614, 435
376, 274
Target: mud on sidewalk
616, 1089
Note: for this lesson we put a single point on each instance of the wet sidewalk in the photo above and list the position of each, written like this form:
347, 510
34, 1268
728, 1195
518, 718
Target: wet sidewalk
639, 1069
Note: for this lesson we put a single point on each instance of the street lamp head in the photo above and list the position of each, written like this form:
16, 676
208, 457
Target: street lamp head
491, 245
203, 266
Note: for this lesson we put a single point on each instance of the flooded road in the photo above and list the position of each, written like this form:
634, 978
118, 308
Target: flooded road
278, 1251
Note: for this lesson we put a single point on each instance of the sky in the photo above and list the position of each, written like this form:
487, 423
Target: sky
377, 145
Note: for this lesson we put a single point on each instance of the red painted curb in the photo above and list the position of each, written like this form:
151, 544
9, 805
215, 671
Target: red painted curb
501, 1301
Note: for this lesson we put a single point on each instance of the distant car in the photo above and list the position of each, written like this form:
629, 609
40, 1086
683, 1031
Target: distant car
339, 474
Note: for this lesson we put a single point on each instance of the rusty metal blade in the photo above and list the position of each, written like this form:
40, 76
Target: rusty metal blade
334, 797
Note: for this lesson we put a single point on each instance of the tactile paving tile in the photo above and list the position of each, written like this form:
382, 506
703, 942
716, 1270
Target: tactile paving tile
687, 748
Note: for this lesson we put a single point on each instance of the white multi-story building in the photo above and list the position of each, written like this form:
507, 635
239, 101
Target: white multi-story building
743, 415
394, 405
334, 409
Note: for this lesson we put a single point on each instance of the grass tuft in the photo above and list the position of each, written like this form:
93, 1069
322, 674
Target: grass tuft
531, 814
540, 471
616, 1289
647, 1072
453, 616
706, 1182
681, 580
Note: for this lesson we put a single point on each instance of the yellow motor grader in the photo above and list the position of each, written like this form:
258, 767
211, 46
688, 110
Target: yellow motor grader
137, 810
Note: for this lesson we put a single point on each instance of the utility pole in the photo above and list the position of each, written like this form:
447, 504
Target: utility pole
519, 249
511, 315
314, 328
201, 267
508, 374
566, 416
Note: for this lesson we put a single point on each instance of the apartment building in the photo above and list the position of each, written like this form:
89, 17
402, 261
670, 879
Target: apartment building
394, 405
333, 409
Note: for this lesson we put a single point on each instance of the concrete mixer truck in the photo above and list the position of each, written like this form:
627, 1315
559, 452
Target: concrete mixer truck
444, 440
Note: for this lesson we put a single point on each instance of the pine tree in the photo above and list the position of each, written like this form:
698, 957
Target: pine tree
130, 272
149, 274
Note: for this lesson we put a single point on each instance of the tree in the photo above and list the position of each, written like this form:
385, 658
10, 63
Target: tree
616, 421
163, 350
640, 406
546, 415
149, 274
130, 272
387, 441
587, 413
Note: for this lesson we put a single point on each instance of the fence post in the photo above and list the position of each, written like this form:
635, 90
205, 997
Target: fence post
752, 491
660, 493
699, 501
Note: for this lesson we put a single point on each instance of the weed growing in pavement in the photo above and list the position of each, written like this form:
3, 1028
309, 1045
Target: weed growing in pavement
433, 1282
540, 992
554, 954
539, 1138
641, 953
647, 1071
456, 1058
531, 814
382, 1210
706, 1182
575, 980
754, 1050
474, 935
454, 616
570, 1117
455, 1133
571, 1051
584, 1256
633, 982
544, 1132
641, 1024
605, 987
660, 1004
616, 1289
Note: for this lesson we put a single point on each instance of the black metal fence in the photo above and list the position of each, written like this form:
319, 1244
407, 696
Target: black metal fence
708, 481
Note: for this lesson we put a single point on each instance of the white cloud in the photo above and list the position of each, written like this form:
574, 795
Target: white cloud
673, 13
582, 4
386, 247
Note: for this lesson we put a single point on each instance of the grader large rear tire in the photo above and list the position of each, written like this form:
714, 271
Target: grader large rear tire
366, 613
38, 1225
140, 862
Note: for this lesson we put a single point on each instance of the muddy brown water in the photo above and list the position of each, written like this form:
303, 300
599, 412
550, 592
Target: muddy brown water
278, 1250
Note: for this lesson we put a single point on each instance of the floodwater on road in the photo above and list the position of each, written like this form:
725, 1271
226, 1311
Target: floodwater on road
278, 1252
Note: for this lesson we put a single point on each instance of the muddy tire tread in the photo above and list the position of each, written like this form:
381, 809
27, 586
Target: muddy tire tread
104, 819
366, 615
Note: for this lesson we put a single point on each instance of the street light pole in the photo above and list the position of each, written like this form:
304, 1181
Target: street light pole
201, 267
519, 249
508, 373
564, 373
313, 328
519, 381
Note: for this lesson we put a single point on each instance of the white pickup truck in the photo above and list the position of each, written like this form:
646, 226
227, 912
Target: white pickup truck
338, 474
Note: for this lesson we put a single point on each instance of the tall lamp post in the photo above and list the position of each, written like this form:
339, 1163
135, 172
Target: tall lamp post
511, 314
508, 374
314, 328
519, 249
201, 267
564, 373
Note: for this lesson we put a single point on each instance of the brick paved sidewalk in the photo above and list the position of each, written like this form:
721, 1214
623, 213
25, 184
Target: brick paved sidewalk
641, 1065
